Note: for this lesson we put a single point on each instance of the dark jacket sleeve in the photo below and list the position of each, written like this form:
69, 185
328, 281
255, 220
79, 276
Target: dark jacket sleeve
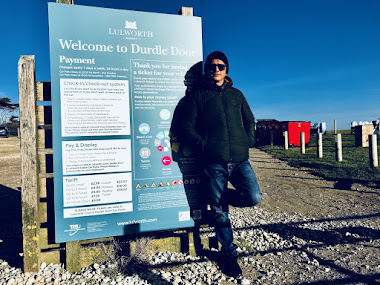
249, 122
190, 133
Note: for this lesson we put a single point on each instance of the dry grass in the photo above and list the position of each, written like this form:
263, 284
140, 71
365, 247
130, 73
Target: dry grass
119, 263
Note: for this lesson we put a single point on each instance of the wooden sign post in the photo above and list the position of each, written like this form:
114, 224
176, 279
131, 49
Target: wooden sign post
29, 162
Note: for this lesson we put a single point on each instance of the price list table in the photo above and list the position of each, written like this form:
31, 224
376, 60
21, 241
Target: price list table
97, 189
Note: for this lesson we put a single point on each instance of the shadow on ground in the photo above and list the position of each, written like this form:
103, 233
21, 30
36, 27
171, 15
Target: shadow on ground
10, 226
314, 239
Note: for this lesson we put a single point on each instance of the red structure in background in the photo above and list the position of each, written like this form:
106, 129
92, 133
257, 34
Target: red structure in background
294, 132
267, 128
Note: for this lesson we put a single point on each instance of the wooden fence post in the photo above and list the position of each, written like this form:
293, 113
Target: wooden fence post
373, 158
303, 150
338, 147
73, 256
29, 162
320, 146
286, 140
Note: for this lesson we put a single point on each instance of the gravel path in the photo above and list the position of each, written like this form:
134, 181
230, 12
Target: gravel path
305, 231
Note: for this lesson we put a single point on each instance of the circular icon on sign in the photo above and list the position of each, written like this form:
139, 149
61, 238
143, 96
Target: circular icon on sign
162, 141
145, 152
197, 214
166, 160
144, 128
165, 114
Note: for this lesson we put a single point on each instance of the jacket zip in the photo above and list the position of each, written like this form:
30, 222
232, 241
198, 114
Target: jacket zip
228, 129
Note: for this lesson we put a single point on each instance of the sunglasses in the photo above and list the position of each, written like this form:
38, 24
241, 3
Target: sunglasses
221, 67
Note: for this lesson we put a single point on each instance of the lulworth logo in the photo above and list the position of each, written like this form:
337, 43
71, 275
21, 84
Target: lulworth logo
130, 25
130, 31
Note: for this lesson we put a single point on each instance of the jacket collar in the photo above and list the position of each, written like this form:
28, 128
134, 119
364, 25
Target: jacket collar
211, 85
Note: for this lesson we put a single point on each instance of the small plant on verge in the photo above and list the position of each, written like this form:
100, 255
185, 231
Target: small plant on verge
116, 260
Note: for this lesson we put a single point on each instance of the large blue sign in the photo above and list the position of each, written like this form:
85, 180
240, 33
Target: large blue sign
116, 78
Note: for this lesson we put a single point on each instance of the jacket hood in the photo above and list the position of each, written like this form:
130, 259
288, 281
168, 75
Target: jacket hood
228, 79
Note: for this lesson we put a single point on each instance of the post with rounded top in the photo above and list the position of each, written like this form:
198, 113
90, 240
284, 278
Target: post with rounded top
319, 144
286, 140
334, 127
338, 147
303, 149
373, 158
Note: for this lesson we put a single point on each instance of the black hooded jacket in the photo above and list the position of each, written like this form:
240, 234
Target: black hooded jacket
220, 121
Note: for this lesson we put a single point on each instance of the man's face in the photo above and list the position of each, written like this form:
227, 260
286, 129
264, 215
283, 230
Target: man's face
218, 71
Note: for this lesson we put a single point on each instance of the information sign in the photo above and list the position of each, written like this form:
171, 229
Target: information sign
116, 78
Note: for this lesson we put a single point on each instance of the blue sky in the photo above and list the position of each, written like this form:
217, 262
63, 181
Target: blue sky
315, 60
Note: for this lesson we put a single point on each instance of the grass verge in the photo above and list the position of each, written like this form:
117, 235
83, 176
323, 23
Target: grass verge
354, 167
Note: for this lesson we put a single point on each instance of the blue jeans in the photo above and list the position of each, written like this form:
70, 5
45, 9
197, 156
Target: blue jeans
247, 194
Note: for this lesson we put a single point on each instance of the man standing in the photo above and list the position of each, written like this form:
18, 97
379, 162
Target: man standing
219, 121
